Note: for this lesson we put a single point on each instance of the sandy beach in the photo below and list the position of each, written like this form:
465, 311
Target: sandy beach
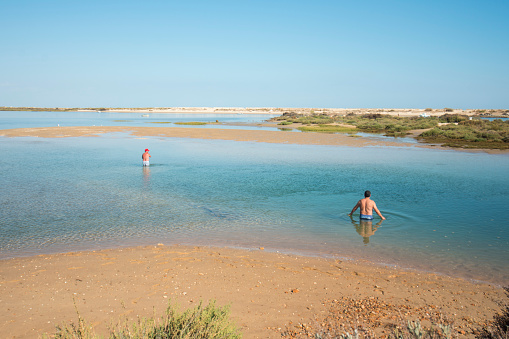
268, 292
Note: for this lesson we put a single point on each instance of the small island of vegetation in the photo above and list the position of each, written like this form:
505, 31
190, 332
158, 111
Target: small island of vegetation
452, 130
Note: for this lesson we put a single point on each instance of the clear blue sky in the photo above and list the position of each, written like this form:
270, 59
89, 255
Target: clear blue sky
336, 54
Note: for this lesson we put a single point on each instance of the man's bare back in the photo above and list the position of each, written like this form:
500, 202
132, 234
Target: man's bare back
367, 206
146, 157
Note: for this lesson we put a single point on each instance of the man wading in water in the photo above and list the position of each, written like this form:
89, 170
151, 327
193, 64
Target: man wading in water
146, 157
367, 206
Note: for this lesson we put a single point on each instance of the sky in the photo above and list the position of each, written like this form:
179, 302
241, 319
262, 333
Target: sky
318, 54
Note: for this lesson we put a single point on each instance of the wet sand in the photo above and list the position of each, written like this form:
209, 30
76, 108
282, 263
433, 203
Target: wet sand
268, 292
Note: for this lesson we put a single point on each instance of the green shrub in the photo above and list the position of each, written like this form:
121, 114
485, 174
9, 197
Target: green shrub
432, 133
453, 117
200, 322
327, 129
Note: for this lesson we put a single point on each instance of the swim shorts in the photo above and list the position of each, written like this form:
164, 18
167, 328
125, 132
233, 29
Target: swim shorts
146, 163
366, 217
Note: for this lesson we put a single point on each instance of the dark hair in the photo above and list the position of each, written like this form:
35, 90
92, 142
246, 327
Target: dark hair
367, 194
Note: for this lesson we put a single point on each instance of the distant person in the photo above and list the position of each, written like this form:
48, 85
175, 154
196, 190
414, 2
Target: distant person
146, 157
367, 206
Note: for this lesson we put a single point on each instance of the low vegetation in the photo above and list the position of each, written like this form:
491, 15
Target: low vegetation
375, 123
453, 130
345, 320
194, 123
353, 319
470, 134
328, 129
201, 322
499, 328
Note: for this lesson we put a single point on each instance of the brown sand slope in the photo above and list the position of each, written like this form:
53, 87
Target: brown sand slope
267, 291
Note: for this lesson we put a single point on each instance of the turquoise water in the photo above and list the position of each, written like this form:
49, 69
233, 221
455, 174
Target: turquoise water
24, 119
446, 210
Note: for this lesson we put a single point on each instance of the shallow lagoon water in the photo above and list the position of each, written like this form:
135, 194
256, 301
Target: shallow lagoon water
446, 210
26, 119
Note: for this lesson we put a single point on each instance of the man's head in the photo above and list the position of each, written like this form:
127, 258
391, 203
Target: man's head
146, 149
367, 194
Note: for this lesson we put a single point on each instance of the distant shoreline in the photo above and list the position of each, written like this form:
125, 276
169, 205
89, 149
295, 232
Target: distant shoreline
403, 112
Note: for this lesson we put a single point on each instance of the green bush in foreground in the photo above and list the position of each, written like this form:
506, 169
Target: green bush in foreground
200, 322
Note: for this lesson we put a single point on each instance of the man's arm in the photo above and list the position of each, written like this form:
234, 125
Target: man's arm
378, 212
355, 207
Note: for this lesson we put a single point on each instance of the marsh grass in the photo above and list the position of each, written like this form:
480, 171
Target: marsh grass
471, 134
196, 123
375, 123
201, 322
327, 129
458, 131
158, 122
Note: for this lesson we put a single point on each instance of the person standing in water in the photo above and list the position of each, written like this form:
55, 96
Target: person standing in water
367, 206
146, 157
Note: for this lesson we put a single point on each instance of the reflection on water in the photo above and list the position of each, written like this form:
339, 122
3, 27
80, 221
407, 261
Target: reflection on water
365, 228
146, 176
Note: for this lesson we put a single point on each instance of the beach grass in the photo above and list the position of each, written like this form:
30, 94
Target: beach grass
200, 322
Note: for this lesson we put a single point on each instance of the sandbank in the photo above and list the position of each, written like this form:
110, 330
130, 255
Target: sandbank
268, 292
285, 137
288, 137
